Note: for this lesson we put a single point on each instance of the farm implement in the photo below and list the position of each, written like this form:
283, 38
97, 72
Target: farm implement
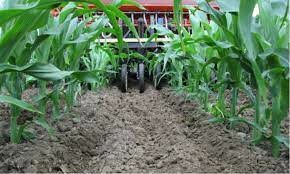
154, 13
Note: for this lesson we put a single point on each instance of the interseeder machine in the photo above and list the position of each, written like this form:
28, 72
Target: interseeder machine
158, 12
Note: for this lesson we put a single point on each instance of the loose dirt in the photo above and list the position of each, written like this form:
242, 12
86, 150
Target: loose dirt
155, 131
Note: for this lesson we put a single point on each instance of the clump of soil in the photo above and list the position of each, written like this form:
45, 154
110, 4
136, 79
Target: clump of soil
131, 132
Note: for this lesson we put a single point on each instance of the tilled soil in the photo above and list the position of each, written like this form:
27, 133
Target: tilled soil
131, 132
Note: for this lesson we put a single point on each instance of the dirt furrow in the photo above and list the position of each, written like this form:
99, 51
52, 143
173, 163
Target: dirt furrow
155, 131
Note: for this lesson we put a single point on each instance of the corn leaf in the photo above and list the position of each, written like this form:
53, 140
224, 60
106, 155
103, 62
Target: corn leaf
119, 3
283, 139
229, 5
19, 103
49, 72
245, 20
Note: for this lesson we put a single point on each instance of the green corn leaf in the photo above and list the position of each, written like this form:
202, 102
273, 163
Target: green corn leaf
217, 16
49, 72
229, 5
119, 3
243, 120
178, 19
66, 11
245, 20
283, 139
20, 132
248, 90
37, 70
29, 50
278, 7
216, 120
19, 103
8, 14
16, 10
213, 60
43, 123
125, 18
116, 27
46, 72
269, 26
24, 24
86, 76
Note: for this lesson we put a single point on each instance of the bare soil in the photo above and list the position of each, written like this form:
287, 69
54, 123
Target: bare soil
155, 131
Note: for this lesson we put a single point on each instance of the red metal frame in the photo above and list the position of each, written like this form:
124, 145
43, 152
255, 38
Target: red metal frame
156, 5
149, 5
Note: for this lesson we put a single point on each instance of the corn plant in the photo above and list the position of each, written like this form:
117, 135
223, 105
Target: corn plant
182, 60
33, 43
238, 52
101, 58
259, 52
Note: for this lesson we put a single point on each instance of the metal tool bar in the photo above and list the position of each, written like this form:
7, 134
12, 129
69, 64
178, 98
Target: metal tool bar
184, 13
133, 40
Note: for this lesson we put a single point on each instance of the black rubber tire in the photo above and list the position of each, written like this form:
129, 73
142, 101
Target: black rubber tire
157, 77
124, 78
141, 71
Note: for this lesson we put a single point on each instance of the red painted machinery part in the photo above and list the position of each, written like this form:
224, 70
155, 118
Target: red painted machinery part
157, 5
150, 6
